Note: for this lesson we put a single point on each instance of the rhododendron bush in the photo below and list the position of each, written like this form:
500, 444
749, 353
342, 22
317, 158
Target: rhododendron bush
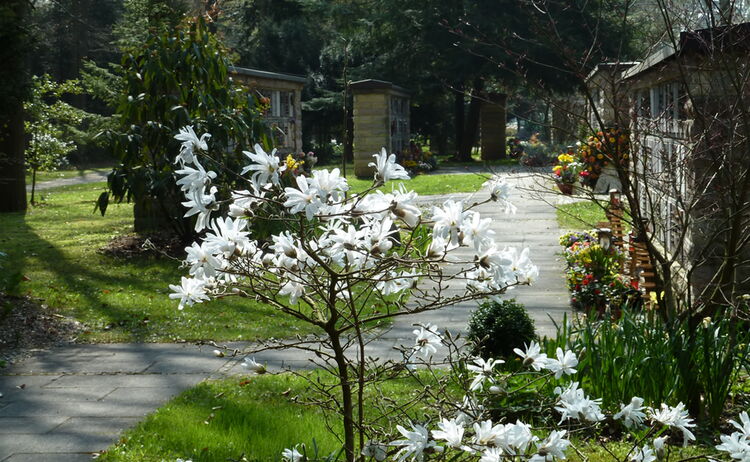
345, 260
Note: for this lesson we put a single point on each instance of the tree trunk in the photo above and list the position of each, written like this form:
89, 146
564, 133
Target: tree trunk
347, 402
12, 173
471, 130
33, 185
458, 113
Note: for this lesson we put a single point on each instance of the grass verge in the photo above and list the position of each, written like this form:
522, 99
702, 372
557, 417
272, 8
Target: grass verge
55, 246
259, 417
584, 215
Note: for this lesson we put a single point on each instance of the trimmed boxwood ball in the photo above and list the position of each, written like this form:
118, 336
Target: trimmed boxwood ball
495, 329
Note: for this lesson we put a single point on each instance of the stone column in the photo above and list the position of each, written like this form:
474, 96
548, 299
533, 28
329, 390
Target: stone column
375, 123
492, 126
371, 131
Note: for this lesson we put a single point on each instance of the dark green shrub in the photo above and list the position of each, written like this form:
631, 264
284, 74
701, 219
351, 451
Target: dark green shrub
496, 329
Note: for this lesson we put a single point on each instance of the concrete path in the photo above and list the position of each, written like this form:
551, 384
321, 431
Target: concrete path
68, 403
92, 177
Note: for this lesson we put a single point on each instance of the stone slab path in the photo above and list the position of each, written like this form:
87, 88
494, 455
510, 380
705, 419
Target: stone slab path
66, 404
91, 177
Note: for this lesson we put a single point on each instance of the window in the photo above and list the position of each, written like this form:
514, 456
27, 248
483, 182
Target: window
280, 117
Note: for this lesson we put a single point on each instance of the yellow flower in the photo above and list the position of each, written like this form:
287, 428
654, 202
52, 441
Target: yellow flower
600, 156
292, 164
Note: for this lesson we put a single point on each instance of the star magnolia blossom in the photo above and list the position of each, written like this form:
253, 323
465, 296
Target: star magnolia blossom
416, 442
428, 339
553, 447
632, 414
386, 168
292, 455
190, 142
451, 431
533, 356
564, 364
676, 417
483, 370
574, 404
267, 167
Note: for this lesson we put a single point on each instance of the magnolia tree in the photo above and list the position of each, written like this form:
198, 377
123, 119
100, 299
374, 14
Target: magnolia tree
347, 260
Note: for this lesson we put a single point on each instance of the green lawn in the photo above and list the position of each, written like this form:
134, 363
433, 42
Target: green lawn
222, 420
429, 184
584, 215
258, 417
56, 245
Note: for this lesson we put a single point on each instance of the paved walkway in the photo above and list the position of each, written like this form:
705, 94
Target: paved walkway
92, 177
65, 404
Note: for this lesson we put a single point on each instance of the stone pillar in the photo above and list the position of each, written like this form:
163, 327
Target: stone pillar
492, 127
376, 125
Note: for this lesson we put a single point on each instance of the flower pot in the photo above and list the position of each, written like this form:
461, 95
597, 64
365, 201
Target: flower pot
565, 188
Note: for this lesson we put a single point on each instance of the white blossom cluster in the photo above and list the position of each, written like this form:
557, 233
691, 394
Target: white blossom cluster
350, 234
479, 438
737, 445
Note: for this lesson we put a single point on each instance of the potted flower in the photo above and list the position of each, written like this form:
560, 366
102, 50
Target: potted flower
566, 172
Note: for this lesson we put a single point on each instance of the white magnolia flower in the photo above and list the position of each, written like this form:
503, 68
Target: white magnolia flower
190, 142
632, 414
736, 445
644, 454
515, 438
416, 442
483, 370
294, 290
448, 220
243, 202
228, 236
266, 166
564, 364
403, 206
428, 339
328, 183
676, 417
386, 168
201, 258
492, 455
392, 283
574, 404
438, 248
744, 427
254, 366
201, 204
533, 356
292, 455
523, 269
485, 433
194, 178
303, 198
190, 292
477, 231
451, 431
551, 448
500, 192
376, 450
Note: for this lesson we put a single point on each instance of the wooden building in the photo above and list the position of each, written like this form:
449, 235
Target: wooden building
284, 96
